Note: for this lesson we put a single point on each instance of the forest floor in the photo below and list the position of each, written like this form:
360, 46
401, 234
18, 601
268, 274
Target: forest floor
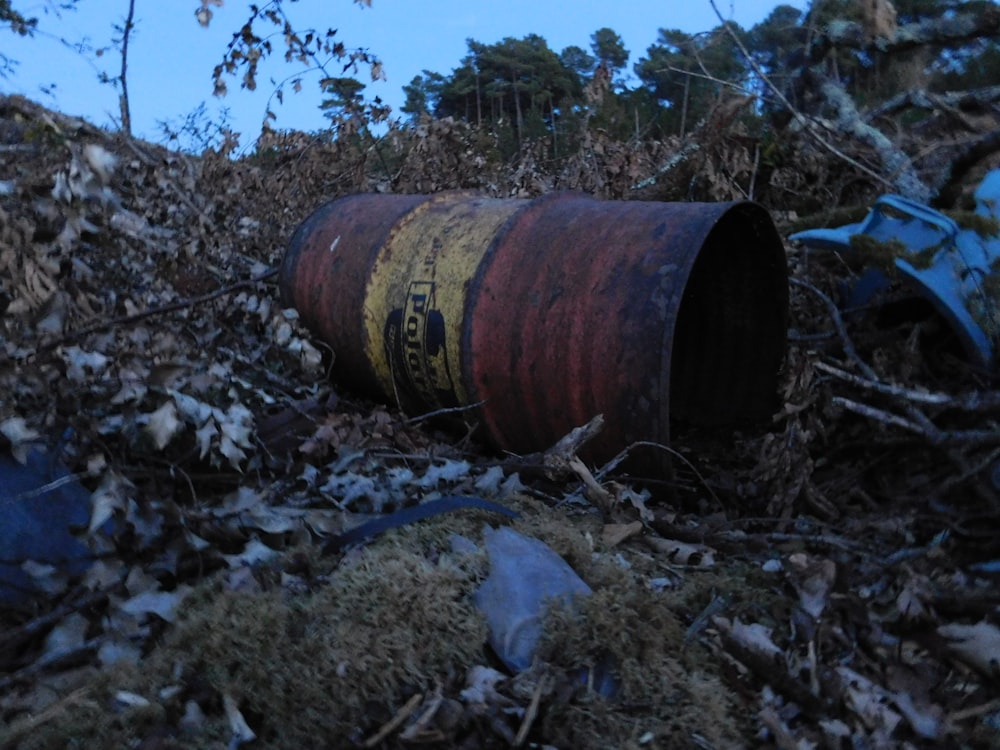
826, 580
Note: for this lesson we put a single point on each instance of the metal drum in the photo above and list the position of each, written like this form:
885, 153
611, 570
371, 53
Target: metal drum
548, 311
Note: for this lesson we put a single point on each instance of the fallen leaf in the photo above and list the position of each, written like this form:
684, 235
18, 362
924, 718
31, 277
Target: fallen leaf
241, 731
754, 637
614, 534
163, 604
163, 425
977, 645
812, 579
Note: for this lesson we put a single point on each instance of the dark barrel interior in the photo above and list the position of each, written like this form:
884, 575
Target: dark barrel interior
729, 340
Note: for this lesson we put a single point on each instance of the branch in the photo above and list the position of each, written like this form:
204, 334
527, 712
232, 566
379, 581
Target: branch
895, 162
807, 124
172, 307
927, 430
923, 99
975, 401
838, 322
943, 31
972, 153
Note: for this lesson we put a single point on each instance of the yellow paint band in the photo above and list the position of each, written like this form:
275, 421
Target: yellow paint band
416, 295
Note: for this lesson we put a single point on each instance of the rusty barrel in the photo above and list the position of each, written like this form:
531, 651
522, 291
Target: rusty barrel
548, 311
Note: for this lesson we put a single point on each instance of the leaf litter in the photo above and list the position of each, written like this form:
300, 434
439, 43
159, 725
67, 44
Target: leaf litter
826, 581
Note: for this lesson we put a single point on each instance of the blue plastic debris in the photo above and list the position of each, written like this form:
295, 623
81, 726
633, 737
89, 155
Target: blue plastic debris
956, 267
40, 505
526, 575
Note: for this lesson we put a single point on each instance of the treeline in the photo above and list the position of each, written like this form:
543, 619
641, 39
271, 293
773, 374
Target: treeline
522, 89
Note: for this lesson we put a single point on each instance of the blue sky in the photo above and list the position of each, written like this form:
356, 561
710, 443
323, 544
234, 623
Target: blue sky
171, 57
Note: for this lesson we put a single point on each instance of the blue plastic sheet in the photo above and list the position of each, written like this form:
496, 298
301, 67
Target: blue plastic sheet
956, 267
526, 575
40, 506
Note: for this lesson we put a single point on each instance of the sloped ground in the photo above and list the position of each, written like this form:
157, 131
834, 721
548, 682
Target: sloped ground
827, 581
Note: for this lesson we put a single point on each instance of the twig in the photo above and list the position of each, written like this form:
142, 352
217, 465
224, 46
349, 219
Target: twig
838, 322
967, 402
558, 456
879, 415
45, 488
543, 686
172, 307
444, 410
707, 77
123, 101
715, 607
919, 423
396, 721
592, 489
974, 712
53, 659
827, 540
969, 471
610, 465
412, 733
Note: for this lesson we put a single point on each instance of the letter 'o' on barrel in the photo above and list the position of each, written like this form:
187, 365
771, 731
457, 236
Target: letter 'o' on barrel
549, 311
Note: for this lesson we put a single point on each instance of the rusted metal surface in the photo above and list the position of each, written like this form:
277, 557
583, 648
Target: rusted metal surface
549, 311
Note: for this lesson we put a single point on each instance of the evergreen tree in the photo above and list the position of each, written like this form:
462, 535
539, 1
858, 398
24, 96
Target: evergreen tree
690, 72
609, 49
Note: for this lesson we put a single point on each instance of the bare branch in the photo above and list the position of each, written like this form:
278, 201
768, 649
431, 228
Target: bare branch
978, 401
807, 124
172, 307
944, 31
849, 121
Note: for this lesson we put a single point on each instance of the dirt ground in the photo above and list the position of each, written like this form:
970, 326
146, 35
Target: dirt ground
827, 579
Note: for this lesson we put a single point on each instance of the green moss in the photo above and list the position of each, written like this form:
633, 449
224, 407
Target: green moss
984, 304
674, 681
878, 253
987, 227
307, 670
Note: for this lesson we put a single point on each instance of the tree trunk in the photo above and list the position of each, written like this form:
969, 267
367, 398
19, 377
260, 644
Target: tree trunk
517, 105
123, 103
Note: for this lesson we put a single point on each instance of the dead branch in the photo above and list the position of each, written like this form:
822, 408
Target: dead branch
162, 310
395, 722
678, 158
977, 401
896, 164
442, 411
898, 167
972, 153
944, 31
912, 418
838, 322
877, 415
920, 425
807, 124
923, 99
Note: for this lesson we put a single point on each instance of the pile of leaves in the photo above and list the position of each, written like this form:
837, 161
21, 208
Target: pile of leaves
825, 580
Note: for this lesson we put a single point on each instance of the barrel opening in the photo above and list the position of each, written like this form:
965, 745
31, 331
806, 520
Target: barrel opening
729, 339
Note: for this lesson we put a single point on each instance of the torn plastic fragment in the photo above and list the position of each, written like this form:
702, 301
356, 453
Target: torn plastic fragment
525, 576
956, 267
41, 504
